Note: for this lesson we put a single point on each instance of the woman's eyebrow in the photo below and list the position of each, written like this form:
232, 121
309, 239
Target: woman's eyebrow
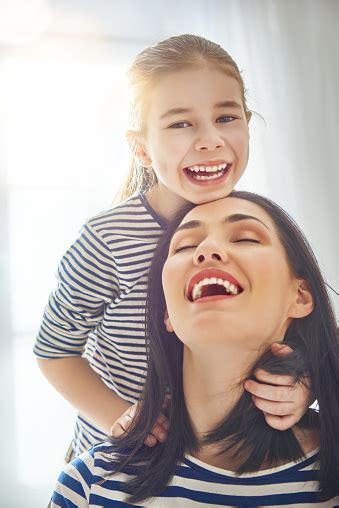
236, 217
188, 225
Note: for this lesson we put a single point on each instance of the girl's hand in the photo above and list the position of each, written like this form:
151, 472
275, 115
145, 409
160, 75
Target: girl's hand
282, 405
125, 422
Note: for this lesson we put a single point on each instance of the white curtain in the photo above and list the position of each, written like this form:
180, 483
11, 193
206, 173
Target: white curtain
63, 154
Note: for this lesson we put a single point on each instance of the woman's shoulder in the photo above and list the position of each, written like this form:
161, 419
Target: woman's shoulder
93, 464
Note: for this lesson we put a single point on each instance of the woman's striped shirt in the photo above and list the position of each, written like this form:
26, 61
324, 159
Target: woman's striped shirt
98, 307
85, 482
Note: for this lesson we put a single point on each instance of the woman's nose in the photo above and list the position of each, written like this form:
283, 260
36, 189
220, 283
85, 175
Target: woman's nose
209, 139
209, 251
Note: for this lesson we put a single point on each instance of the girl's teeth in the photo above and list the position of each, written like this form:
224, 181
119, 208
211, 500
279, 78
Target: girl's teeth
208, 169
213, 171
202, 177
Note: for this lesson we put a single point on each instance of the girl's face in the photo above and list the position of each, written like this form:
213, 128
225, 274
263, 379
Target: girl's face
227, 280
196, 134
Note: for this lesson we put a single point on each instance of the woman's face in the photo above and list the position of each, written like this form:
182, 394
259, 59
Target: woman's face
227, 279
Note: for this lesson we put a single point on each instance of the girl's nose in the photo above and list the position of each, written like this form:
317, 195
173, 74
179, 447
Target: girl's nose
209, 139
209, 251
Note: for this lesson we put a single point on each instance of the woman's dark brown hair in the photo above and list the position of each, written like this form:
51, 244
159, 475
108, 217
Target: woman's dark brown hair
244, 430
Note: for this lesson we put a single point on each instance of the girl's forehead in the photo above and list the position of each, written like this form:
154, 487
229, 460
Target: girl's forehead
182, 88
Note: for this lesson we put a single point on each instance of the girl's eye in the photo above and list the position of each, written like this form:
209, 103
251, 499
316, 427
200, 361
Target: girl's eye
225, 119
252, 240
184, 247
179, 125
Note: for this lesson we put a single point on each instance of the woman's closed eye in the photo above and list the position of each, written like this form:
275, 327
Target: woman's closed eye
251, 240
184, 247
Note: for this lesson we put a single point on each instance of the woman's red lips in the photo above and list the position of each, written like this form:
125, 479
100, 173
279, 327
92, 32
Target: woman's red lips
209, 273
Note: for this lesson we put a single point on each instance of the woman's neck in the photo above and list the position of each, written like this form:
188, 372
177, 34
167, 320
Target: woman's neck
211, 393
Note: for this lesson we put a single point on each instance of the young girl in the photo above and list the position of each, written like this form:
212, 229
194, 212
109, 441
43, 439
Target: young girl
229, 279
190, 143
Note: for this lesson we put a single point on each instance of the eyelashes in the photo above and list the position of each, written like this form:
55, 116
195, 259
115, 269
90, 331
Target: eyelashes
251, 240
186, 247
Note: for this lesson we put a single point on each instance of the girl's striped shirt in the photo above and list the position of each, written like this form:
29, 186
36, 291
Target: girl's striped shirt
98, 307
87, 482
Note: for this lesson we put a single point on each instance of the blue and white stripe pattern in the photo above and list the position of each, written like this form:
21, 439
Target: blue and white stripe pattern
98, 308
86, 482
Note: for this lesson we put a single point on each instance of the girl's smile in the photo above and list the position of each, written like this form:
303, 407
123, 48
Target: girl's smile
195, 137
207, 172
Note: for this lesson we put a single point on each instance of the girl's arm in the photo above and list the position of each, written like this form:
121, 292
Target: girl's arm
87, 279
83, 388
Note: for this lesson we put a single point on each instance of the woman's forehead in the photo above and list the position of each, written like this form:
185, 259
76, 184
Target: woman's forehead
216, 211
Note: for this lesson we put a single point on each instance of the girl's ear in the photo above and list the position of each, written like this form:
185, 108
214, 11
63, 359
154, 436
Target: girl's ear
303, 304
137, 148
168, 323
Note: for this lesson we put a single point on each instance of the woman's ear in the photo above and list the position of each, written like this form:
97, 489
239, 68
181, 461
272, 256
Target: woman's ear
168, 323
303, 304
137, 147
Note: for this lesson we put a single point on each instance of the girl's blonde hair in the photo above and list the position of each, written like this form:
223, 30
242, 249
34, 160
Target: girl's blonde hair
171, 55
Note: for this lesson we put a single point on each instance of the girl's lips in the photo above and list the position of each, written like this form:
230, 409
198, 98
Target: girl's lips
209, 163
208, 273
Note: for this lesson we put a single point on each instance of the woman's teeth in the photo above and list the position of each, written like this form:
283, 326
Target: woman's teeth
199, 172
198, 288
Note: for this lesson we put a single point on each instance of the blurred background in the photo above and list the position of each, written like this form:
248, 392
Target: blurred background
63, 154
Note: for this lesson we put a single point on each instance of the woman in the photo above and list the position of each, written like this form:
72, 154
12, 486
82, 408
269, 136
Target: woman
236, 275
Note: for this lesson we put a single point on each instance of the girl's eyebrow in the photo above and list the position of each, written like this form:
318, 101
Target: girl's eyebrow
222, 104
236, 217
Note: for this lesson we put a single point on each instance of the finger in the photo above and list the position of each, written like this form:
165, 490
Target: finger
273, 408
161, 419
166, 425
281, 349
279, 422
269, 392
126, 421
167, 402
150, 440
159, 433
274, 379
117, 430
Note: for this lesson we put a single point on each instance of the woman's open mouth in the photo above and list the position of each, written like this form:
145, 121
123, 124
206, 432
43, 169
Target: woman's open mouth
207, 173
212, 284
